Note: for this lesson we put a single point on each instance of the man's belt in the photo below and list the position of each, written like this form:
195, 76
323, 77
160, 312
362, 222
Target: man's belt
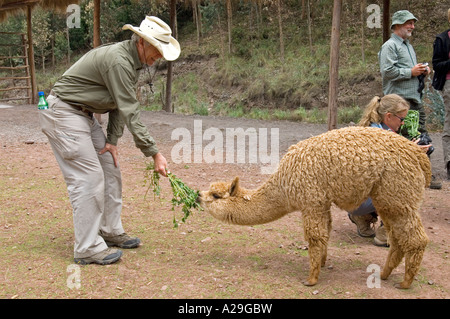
80, 108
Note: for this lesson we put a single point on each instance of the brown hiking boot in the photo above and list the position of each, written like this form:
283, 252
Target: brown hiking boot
435, 184
381, 237
122, 240
105, 257
364, 224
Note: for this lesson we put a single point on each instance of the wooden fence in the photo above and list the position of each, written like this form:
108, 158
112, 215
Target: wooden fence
15, 74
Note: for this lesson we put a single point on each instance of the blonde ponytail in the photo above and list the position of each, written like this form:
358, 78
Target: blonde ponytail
378, 107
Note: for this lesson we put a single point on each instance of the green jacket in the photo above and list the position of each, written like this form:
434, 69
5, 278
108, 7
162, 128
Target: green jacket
397, 57
104, 80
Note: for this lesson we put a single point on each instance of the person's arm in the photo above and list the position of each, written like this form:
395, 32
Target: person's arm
441, 61
115, 127
390, 69
121, 84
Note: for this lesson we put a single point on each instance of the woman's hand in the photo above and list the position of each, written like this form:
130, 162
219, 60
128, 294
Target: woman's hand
422, 147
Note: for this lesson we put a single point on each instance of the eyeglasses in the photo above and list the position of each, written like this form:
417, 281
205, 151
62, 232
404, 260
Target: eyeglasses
400, 118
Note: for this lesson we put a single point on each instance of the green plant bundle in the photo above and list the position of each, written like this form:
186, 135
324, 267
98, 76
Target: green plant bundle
411, 124
182, 194
152, 178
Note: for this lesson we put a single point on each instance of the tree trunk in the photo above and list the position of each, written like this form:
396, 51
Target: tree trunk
43, 60
195, 16
308, 8
363, 36
280, 26
168, 105
386, 18
229, 16
96, 23
334, 65
68, 46
31, 56
52, 42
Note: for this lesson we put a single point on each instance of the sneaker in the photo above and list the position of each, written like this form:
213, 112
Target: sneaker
105, 257
381, 237
435, 184
364, 224
122, 241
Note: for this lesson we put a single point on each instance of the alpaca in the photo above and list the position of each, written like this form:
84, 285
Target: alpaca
344, 167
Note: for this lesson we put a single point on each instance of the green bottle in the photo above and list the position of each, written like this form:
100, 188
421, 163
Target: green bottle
42, 104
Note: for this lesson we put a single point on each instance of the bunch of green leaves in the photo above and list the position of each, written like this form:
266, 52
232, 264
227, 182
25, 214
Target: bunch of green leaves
182, 194
411, 124
152, 178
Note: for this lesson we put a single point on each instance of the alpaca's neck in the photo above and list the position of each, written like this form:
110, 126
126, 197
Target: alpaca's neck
264, 205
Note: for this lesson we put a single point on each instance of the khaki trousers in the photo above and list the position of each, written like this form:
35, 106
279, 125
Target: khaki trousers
446, 131
93, 182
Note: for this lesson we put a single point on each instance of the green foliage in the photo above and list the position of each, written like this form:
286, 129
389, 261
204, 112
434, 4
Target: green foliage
411, 124
183, 195
349, 114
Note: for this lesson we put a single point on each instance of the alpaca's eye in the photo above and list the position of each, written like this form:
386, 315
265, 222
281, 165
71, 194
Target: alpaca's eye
216, 196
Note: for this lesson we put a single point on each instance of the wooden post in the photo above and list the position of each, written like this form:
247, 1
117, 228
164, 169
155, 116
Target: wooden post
96, 23
30, 50
229, 17
386, 19
280, 27
168, 105
27, 70
334, 65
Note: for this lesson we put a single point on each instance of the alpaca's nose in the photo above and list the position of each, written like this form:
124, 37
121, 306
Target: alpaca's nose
198, 199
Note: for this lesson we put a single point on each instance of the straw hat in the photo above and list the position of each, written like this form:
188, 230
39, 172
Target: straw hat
157, 33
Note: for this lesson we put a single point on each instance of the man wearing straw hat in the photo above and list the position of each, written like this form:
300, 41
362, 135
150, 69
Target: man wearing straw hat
103, 81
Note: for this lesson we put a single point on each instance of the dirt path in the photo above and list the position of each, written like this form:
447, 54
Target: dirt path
212, 260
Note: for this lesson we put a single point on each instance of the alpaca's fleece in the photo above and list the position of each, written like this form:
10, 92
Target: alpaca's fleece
343, 167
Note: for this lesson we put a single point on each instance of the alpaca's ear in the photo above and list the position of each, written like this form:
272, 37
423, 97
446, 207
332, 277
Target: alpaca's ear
234, 186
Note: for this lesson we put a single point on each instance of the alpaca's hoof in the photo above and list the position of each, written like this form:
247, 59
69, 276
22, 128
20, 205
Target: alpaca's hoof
402, 285
310, 282
384, 275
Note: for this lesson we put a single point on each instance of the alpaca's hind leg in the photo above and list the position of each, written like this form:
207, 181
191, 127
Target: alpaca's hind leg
412, 265
411, 246
414, 247
394, 258
325, 247
317, 230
